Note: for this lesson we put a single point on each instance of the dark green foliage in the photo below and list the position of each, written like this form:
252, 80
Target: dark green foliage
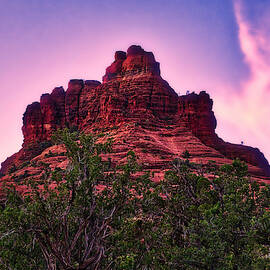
222, 223
185, 154
114, 127
33, 163
51, 154
215, 223
26, 163
73, 129
44, 145
67, 225
96, 216
12, 169
21, 177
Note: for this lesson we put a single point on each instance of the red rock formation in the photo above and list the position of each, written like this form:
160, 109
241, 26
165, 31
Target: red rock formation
41, 119
116, 67
141, 111
52, 109
136, 61
32, 123
72, 102
58, 97
196, 111
139, 60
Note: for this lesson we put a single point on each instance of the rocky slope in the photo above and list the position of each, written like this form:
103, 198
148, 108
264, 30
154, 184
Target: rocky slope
136, 107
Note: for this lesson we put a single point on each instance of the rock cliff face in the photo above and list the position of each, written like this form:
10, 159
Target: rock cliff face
141, 111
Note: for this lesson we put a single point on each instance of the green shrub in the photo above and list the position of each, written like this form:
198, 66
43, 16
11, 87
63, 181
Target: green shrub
185, 154
12, 169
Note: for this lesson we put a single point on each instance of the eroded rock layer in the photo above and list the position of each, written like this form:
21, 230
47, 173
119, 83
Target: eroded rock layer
140, 111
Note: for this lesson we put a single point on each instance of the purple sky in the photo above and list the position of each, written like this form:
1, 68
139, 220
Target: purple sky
213, 45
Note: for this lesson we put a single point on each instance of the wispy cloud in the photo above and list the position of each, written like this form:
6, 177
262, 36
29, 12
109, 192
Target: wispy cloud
247, 111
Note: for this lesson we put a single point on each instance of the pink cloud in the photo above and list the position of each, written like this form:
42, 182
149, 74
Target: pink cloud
246, 114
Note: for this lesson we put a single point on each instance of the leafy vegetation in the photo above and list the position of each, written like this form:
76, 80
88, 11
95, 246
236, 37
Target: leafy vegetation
221, 223
12, 169
186, 154
24, 164
93, 215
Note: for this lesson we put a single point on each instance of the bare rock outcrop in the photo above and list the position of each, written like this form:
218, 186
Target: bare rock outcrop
141, 111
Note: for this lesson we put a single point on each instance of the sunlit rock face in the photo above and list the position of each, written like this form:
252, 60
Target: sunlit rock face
141, 112
136, 61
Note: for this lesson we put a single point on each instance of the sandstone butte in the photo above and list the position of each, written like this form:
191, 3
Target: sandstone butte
139, 110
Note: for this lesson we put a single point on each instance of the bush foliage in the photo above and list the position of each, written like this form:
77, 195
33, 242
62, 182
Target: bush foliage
89, 217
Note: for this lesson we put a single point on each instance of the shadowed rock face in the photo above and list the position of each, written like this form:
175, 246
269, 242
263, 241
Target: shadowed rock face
72, 102
32, 123
141, 111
